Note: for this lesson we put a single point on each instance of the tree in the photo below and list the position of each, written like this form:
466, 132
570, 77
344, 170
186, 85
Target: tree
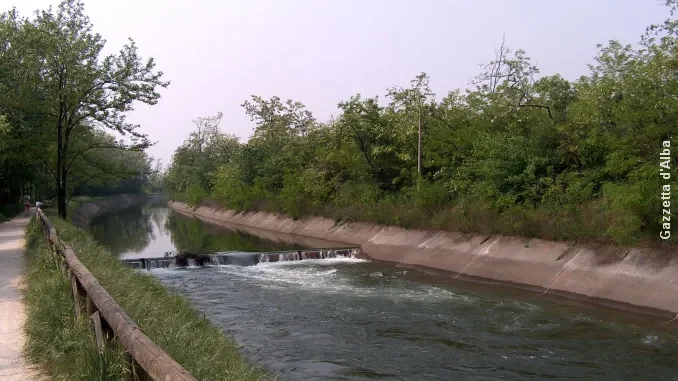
72, 87
281, 129
510, 80
381, 143
276, 117
196, 162
418, 97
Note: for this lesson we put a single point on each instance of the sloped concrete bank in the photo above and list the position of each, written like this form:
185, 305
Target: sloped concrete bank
641, 280
84, 213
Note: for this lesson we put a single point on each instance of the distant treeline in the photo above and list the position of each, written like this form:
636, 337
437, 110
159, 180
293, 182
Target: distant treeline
520, 153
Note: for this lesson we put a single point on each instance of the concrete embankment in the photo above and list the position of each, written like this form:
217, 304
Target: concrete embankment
84, 213
637, 279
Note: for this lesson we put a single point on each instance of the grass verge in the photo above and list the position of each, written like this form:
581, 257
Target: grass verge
61, 346
166, 317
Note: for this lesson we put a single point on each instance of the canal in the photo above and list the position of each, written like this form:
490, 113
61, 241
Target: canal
349, 319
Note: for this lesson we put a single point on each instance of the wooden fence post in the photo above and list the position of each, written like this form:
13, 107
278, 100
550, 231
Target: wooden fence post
54, 253
98, 333
136, 372
64, 270
76, 296
139, 372
91, 308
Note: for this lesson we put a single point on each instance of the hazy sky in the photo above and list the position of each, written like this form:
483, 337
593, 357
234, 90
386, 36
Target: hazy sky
320, 52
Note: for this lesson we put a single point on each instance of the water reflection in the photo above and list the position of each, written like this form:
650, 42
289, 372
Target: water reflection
131, 229
196, 236
151, 230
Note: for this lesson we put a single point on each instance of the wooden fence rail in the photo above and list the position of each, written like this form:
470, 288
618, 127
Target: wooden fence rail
145, 359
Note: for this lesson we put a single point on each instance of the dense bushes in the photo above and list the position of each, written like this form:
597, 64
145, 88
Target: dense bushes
518, 154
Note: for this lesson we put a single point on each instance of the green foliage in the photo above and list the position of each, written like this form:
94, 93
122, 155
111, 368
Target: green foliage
303, 192
520, 153
195, 164
60, 97
195, 194
229, 183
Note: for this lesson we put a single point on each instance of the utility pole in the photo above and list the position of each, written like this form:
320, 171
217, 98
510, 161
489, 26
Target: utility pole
419, 148
418, 93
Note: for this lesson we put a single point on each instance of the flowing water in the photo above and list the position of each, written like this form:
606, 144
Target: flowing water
349, 319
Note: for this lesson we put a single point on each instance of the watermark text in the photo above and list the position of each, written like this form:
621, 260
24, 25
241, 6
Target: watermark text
665, 195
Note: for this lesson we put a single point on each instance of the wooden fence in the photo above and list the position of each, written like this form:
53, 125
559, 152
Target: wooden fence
145, 359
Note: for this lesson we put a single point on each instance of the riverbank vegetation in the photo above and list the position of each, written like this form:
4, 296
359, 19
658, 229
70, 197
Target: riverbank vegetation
61, 101
64, 348
59, 345
519, 153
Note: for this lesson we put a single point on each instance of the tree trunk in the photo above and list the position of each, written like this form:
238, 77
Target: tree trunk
64, 169
60, 171
61, 196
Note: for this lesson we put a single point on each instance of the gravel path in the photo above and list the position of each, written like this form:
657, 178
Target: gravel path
12, 315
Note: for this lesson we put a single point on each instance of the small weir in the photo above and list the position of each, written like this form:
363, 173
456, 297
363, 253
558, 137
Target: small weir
182, 260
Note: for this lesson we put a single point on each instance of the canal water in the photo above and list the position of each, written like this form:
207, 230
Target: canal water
349, 319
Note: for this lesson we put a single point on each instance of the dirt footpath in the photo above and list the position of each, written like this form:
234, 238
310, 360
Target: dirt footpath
12, 315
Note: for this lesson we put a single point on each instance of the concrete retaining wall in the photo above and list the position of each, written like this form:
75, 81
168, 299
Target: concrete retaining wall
638, 279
